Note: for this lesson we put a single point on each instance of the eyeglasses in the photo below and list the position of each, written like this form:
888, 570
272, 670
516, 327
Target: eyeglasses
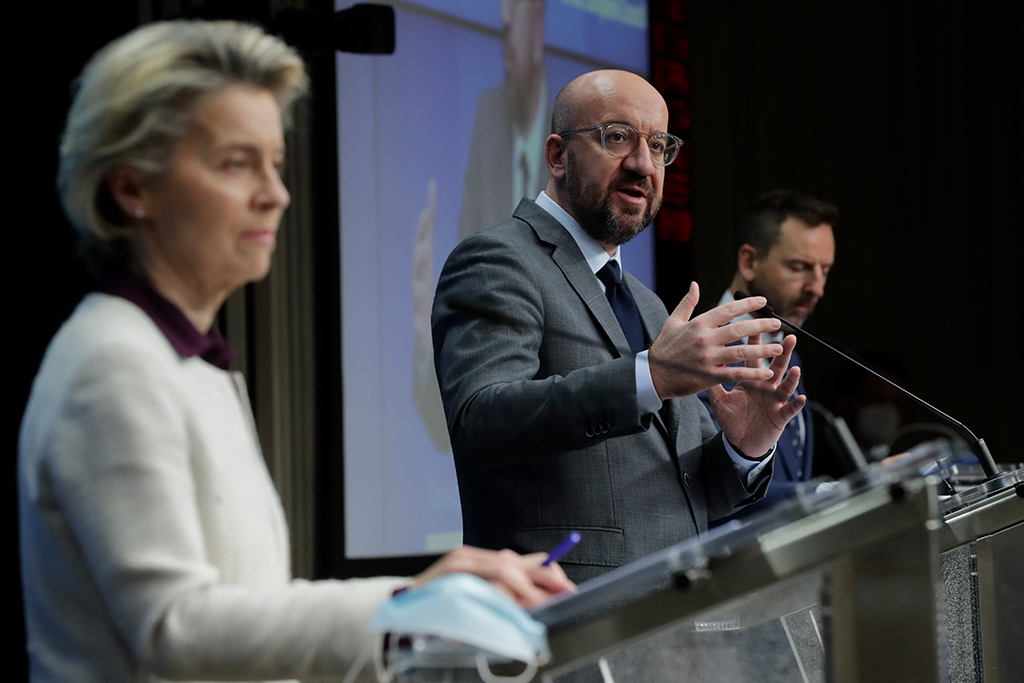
619, 140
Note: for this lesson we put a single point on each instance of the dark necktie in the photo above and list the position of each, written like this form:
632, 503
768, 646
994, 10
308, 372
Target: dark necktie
623, 305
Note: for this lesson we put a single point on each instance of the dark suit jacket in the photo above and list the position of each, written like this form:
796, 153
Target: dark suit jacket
793, 456
540, 398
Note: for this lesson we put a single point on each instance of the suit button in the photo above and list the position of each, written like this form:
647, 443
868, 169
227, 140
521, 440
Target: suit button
606, 428
686, 479
590, 432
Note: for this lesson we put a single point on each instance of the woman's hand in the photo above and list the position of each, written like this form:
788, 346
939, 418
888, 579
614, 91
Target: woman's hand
521, 577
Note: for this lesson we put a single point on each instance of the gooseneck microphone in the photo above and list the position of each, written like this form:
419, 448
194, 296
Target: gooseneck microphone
978, 446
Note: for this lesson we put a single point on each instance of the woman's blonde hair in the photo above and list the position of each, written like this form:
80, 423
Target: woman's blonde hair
135, 101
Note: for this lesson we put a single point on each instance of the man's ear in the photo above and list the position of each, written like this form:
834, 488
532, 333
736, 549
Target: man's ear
554, 154
127, 187
746, 262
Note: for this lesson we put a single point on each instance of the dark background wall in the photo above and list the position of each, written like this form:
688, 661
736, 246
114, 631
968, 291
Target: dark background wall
907, 116
44, 278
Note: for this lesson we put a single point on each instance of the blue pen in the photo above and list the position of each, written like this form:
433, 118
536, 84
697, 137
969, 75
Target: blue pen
565, 546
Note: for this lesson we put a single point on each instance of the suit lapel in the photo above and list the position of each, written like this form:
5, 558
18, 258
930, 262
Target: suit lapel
569, 259
650, 310
651, 314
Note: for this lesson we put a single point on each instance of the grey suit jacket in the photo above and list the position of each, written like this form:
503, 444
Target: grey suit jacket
540, 399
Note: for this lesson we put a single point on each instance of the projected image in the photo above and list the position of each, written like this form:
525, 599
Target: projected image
436, 142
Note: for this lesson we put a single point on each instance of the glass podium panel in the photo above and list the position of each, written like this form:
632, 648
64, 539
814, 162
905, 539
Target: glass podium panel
887, 575
982, 564
743, 640
839, 584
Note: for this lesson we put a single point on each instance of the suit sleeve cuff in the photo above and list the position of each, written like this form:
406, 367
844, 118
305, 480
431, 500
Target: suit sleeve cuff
647, 400
745, 466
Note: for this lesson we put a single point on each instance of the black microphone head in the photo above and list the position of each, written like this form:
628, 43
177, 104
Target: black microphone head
765, 311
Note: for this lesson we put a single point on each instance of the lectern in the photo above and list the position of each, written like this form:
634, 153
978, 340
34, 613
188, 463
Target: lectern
842, 584
982, 561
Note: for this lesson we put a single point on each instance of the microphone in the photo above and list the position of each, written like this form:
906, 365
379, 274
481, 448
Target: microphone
841, 437
978, 446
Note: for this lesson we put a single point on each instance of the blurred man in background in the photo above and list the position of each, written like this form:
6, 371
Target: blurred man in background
786, 252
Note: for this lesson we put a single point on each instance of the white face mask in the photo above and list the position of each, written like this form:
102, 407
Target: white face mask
460, 621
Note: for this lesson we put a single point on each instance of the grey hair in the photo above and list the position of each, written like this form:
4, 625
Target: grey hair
135, 101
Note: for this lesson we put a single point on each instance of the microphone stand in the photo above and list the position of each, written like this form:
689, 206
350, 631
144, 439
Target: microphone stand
978, 446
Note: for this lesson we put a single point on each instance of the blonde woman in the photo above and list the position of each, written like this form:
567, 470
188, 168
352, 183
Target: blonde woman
153, 542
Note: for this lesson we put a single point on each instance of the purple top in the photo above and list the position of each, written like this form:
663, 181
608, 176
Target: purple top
183, 336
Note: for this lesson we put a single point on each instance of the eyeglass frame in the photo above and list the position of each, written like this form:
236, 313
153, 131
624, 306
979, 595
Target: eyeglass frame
603, 127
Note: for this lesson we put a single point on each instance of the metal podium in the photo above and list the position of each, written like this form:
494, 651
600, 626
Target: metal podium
982, 562
841, 585
891, 574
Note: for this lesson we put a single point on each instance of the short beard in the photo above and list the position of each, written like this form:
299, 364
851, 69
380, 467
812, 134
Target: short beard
759, 287
594, 212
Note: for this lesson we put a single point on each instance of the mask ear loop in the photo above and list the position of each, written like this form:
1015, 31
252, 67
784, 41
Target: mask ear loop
487, 677
382, 672
370, 645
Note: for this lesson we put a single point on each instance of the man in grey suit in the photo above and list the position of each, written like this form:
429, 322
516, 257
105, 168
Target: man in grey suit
557, 420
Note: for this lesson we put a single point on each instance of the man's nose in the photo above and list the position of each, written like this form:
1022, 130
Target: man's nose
640, 159
816, 281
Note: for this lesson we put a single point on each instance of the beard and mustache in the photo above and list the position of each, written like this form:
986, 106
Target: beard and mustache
783, 305
591, 205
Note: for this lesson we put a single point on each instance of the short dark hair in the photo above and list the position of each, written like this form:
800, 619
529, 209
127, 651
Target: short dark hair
763, 223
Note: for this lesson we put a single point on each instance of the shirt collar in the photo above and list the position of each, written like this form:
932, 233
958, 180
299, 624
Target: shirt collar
593, 252
182, 335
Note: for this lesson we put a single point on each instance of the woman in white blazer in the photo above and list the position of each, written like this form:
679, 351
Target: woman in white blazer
153, 543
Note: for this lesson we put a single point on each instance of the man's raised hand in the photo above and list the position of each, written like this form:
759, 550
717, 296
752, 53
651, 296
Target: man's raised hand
690, 356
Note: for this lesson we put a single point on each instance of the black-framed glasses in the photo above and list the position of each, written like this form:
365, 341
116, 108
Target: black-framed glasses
620, 139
